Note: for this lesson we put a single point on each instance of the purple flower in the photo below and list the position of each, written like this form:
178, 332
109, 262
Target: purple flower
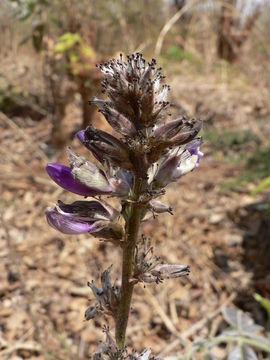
194, 148
173, 167
68, 224
95, 217
177, 163
117, 181
63, 177
88, 173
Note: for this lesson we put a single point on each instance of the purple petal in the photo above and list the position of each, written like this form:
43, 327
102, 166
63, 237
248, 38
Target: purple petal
81, 136
194, 145
67, 224
194, 149
61, 174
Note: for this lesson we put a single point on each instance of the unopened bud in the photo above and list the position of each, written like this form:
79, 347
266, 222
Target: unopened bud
159, 207
167, 271
119, 122
91, 313
108, 147
106, 279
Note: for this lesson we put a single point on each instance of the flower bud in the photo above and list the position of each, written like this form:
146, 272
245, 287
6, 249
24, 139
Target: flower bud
106, 280
97, 154
108, 350
176, 132
172, 134
98, 293
119, 122
159, 207
168, 271
189, 130
92, 312
107, 147
108, 295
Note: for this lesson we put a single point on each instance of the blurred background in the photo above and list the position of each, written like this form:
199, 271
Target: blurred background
216, 57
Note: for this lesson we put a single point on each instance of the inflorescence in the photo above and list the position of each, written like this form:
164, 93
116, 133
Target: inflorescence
135, 164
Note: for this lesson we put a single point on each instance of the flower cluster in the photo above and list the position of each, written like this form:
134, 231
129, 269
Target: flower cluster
107, 297
149, 268
136, 109
135, 163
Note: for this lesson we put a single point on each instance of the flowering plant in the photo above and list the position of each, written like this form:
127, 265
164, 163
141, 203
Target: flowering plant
145, 154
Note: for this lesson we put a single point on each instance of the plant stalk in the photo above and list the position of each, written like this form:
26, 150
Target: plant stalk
132, 230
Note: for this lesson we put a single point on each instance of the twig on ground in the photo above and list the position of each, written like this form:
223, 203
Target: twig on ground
21, 346
165, 318
169, 24
197, 326
28, 140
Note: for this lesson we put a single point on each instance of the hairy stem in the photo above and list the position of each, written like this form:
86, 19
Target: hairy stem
132, 230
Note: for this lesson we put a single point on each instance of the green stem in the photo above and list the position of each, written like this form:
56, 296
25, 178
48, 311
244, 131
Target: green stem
244, 340
225, 339
132, 230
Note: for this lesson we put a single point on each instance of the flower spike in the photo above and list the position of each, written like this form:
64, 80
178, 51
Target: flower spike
135, 163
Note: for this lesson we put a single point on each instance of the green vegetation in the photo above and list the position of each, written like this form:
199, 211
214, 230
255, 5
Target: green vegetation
80, 55
9, 94
255, 169
265, 303
233, 146
180, 54
225, 140
258, 164
264, 184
